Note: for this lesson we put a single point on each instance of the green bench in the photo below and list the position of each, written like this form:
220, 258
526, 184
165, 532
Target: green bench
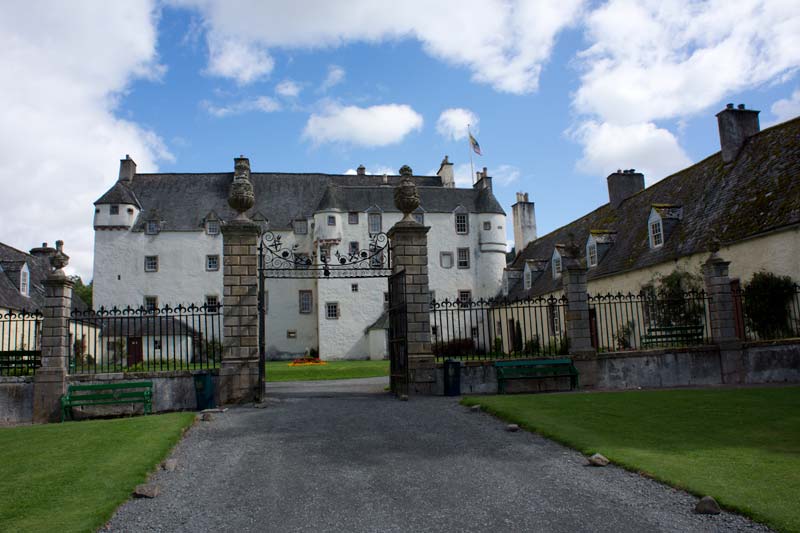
107, 394
535, 369
672, 336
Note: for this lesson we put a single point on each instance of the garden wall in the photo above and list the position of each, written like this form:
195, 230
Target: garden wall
16, 400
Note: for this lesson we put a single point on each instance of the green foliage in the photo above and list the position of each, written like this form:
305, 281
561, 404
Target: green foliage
532, 345
518, 337
766, 305
558, 346
71, 477
498, 345
624, 335
673, 300
742, 447
84, 292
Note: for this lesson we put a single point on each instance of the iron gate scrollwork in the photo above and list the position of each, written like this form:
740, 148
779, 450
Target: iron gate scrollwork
398, 329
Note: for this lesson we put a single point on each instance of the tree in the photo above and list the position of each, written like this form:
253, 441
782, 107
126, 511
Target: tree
84, 292
766, 300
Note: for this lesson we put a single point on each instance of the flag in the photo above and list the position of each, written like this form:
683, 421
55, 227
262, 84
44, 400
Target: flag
475, 146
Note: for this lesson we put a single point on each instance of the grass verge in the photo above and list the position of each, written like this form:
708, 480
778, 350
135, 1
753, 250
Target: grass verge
741, 446
281, 371
72, 476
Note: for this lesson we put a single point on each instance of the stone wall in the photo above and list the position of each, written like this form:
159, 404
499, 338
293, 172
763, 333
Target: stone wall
16, 400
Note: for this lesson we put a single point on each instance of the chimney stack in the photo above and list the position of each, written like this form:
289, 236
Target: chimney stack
42, 251
524, 216
482, 180
127, 169
361, 170
446, 173
735, 126
623, 184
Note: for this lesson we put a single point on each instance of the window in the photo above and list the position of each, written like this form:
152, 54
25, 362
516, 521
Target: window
306, 302
474, 332
156, 344
375, 223
324, 253
354, 248
487, 226
212, 262
24, 281
352, 217
656, 234
462, 223
291, 333
151, 228
151, 263
463, 257
419, 218
331, 220
464, 296
300, 227
212, 227
151, 304
354, 287
114, 210
446, 259
212, 303
332, 310
591, 254
528, 279
556, 264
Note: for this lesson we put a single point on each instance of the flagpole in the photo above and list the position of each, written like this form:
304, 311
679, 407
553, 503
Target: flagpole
469, 145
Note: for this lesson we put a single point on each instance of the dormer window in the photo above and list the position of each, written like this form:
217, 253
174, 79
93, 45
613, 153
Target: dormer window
655, 230
556, 264
591, 253
24, 281
528, 279
152, 227
300, 226
114, 210
462, 223
212, 227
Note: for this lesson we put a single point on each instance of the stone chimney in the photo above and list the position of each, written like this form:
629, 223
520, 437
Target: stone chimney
735, 126
361, 170
482, 180
524, 216
42, 251
127, 169
623, 184
446, 173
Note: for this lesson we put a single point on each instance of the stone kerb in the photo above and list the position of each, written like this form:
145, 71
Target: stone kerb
239, 372
409, 247
50, 379
577, 313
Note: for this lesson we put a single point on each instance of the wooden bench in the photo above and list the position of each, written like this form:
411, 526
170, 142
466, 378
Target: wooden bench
535, 369
672, 336
108, 394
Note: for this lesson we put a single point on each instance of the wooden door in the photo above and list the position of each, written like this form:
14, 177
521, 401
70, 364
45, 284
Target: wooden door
134, 350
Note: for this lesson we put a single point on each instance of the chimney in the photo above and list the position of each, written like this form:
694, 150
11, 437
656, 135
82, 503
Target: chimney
623, 184
127, 169
524, 216
446, 173
735, 126
42, 251
483, 180
361, 170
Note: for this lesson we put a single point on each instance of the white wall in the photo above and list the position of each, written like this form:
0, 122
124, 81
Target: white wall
126, 216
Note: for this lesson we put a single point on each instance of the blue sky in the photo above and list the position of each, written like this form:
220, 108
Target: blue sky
560, 93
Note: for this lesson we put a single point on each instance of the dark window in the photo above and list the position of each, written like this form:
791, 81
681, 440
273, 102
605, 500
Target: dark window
212, 262
212, 227
151, 263
463, 257
354, 287
114, 210
375, 223
354, 248
352, 217
332, 310
306, 302
419, 217
151, 228
300, 227
331, 220
487, 225
212, 304
462, 223
151, 304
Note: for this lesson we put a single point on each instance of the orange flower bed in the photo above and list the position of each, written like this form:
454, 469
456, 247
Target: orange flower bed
307, 361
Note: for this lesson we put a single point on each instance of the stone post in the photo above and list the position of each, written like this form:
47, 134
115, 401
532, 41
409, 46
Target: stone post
49, 383
577, 315
239, 380
722, 317
409, 247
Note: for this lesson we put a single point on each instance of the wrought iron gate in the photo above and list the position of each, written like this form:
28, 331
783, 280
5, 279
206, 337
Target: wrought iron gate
398, 332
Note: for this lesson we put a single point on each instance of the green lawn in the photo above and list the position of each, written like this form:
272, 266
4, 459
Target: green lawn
72, 476
281, 371
741, 446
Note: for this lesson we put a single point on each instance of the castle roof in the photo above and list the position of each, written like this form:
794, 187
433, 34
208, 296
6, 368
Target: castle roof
756, 193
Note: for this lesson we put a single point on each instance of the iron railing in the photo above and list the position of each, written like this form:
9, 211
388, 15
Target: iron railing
767, 315
20, 343
142, 340
498, 328
621, 322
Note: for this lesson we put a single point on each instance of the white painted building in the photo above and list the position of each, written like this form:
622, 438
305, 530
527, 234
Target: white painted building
158, 242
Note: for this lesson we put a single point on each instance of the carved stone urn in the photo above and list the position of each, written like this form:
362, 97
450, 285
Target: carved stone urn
406, 197
241, 196
59, 260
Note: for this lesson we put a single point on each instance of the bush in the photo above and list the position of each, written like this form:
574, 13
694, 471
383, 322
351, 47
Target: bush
766, 299
675, 300
532, 346
498, 345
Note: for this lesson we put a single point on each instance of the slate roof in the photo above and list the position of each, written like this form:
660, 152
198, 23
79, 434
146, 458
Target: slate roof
184, 200
11, 261
756, 193
148, 326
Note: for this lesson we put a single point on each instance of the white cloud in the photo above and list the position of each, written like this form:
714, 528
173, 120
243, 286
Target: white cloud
379, 125
288, 88
60, 140
243, 61
505, 174
265, 104
377, 170
504, 43
645, 147
335, 77
453, 122
787, 108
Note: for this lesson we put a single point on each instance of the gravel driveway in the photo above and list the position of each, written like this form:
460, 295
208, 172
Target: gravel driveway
368, 462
